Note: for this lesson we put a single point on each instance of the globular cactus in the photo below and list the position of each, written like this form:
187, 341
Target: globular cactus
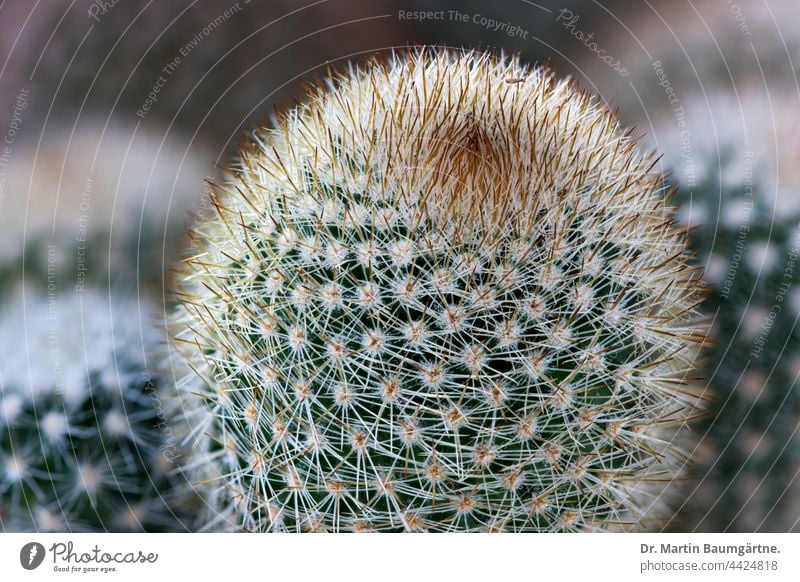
444, 295
735, 160
85, 444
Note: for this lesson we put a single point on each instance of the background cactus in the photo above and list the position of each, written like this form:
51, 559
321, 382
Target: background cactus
85, 443
103, 205
739, 191
445, 294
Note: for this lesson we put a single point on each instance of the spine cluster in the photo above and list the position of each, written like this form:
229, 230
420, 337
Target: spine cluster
445, 294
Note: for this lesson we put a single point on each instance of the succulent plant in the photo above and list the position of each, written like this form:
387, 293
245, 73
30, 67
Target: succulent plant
739, 191
444, 294
84, 441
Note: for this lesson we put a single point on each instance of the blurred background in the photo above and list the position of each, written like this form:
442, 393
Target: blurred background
116, 114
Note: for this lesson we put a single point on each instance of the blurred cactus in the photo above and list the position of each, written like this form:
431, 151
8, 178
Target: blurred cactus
100, 205
736, 163
84, 441
443, 295
676, 50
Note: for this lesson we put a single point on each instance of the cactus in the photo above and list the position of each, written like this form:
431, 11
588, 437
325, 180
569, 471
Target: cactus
739, 186
443, 295
84, 443
97, 205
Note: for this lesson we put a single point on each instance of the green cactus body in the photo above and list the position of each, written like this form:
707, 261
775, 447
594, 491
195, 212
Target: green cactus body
741, 201
83, 439
444, 295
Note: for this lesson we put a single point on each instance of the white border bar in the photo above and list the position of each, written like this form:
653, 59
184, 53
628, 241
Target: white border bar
405, 557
